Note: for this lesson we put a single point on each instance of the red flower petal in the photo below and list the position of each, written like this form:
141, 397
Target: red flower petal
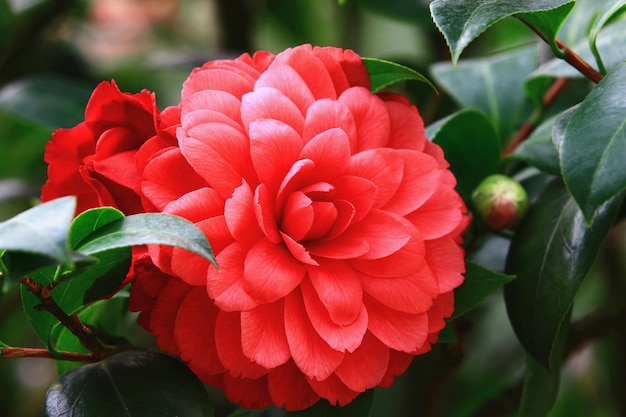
249, 393
240, 217
309, 351
274, 147
298, 216
383, 167
329, 114
341, 337
339, 289
229, 350
263, 338
270, 272
330, 152
226, 287
400, 331
406, 127
264, 208
290, 389
445, 258
288, 81
360, 192
411, 294
195, 332
333, 390
370, 116
366, 366
269, 103
382, 231
165, 307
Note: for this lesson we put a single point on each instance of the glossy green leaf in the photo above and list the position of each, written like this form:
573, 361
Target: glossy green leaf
38, 237
471, 146
384, 73
493, 85
461, 21
51, 102
147, 229
479, 283
106, 316
130, 384
541, 385
551, 253
538, 150
592, 149
361, 406
611, 8
91, 220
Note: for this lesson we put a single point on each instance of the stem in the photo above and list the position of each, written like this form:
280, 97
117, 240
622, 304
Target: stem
570, 56
533, 121
84, 333
20, 352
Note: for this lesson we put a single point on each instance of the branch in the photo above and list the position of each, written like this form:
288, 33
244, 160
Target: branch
569, 56
20, 352
533, 121
84, 333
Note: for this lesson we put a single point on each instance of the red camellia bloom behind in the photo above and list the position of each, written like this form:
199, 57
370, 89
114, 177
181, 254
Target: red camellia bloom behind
334, 222
95, 159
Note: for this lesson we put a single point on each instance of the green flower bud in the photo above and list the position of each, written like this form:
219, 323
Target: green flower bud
500, 201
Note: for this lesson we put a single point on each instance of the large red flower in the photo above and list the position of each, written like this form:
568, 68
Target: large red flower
95, 159
334, 221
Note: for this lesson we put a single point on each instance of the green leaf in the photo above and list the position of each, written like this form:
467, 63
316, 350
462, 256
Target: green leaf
361, 406
461, 21
48, 101
148, 229
541, 385
471, 146
551, 253
538, 149
38, 237
592, 147
479, 283
611, 8
130, 384
91, 220
493, 85
104, 315
384, 73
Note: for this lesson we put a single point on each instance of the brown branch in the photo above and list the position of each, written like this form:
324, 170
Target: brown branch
570, 56
533, 121
84, 333
20, 352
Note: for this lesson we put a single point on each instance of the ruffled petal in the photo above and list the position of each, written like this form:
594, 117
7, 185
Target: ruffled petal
382, 167
240, 217
247, 392
382, 231
290, 389
226, 287
366, 366
371, 118
406, 127
445, 258
330, 152
333, 390
339, 289
195, 334
315, 358
400, 331
270, 103
286, 79
229, 350
274, 147
329, 114
341, 337
270, 272
263, 338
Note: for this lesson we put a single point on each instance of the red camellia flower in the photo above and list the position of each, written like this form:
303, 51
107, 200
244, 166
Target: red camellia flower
95, 159
335, 224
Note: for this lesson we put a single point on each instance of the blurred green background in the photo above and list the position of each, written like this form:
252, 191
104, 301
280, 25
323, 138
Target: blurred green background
54, 52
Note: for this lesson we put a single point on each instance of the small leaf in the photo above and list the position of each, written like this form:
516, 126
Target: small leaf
130, 384
471, 146
91, 220
551, 253
538, 150
39, 238
493, 85
384, 73
361, 406
479, 283
148, 229
592, 147
461, 21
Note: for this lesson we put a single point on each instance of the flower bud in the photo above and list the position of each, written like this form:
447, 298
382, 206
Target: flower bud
500, 201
